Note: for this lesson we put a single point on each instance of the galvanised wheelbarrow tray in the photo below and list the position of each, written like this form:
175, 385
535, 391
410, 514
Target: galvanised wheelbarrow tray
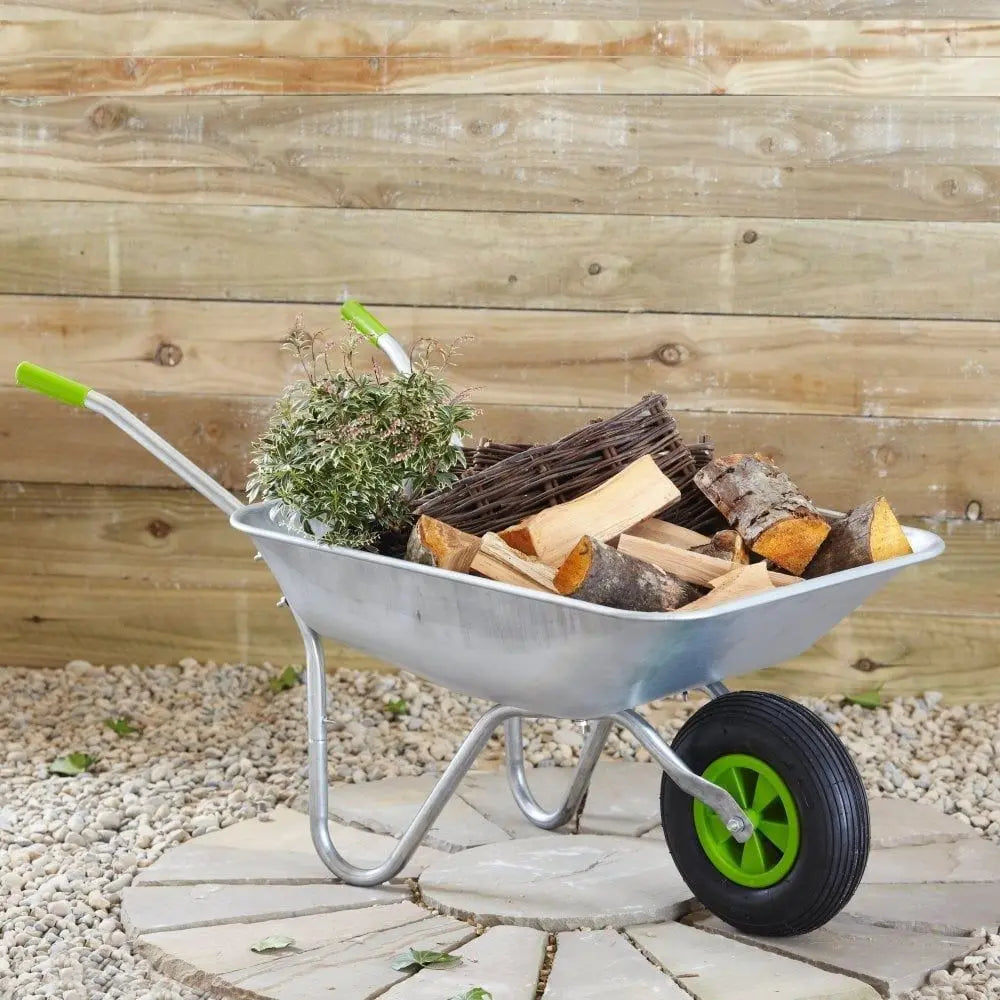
763, 810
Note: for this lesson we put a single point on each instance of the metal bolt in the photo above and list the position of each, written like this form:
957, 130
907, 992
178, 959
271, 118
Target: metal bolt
283, 603
735, 825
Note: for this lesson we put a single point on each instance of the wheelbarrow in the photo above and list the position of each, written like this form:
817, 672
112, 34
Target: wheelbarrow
763, 810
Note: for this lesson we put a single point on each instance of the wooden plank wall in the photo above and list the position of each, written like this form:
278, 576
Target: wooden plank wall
783, 213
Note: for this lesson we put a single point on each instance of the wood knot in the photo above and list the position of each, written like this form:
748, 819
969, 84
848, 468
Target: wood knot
511, 279
884, 456
374, 64
865, 666
767, 144
750, 236
594, 268
671, 354
949, 187
109, 115
168, 355
158, 528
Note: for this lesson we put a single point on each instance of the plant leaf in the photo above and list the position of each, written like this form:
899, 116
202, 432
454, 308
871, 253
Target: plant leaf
413, 959
122, 726
71, 764
475, 993
397, 706
866, 699
276, 942
288, 678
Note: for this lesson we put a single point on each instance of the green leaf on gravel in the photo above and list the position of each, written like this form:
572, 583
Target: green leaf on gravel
866, 699
413, 959
476, 993
398, 706
288, 678
122, 726
71, 764
275, 943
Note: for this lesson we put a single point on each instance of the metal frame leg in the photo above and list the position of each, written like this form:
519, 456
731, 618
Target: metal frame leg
716, 798
319, 782
590, 754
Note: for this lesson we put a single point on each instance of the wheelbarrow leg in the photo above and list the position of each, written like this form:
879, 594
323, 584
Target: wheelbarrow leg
589, 756
319, 814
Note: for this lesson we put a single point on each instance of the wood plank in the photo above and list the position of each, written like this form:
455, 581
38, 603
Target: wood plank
902, 654
890, 368
925, 467
557, 261
802, 157
282, 10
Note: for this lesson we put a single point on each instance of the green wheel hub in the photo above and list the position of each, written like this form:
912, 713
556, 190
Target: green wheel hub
767, 857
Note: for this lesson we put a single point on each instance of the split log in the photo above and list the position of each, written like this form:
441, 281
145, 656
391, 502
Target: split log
434, 543
686, 564
495, 556
597, 573
869, 533
744, 581
669, 534
518, 538
727, 545
774, 517
637, 492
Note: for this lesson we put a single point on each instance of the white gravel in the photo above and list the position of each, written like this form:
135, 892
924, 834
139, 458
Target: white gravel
217, 745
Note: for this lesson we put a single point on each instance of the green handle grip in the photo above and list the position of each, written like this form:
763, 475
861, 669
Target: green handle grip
50, 384
362, 320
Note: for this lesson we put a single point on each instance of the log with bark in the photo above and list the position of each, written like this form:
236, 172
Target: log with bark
634, 494
686, 564
434, 543
774, 517
728, 545
597, 573
867, 534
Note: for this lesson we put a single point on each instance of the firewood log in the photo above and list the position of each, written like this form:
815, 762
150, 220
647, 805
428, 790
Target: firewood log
434, 543
669, 534
686, 564
727, 545
743, 581
517, 537
637, 492
774, 517
597, 573
497, 560
868, 534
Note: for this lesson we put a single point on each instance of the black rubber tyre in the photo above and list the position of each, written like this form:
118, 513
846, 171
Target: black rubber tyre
828, 794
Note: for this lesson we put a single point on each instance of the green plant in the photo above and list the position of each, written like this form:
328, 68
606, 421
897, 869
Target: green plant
287, 679
414, 959
122, 726
347, 449
475, 993
397, 707
72, 764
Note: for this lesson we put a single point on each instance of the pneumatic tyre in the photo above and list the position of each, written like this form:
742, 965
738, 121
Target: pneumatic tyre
799, 786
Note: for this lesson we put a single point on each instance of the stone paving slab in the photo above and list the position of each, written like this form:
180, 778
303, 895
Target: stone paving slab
972, 860
598, 965
891, 959
623, 800
341, 956
388, 806
902, 823
148, 909
279, 851
505, 962
951, 908
559, 883
709, 965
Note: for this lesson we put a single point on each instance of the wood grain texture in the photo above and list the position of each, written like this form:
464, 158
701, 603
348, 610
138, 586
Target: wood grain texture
925, 467
477, 9
151, 575
554, 261
803, 157
863, 367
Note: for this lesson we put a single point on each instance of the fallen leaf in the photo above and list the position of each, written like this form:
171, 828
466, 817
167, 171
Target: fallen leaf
275, 943
72, 764
413, 959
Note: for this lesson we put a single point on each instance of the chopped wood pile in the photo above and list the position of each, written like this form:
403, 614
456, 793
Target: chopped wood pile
617, 545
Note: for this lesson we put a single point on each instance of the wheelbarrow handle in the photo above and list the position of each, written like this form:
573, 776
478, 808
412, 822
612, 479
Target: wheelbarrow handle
376, 333
65, 390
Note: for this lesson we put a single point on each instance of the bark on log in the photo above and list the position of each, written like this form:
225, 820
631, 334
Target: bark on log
774, 517
597, 573
868, 534
727, 545
434, 543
